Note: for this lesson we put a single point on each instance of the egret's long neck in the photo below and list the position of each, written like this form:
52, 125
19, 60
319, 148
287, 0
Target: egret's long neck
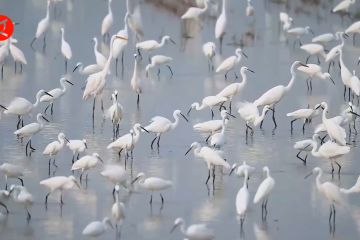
292, 80
183, 228
63, 86
318, 183
313, 151
62, 141
246, 176
205, 7
125, 22
109, 8
197, 151
37, 100
324, 113
136, 135
342, 64
47, 12
244, 77
267, 173
162, 43
107, 64
95, 45
174, 124
262, 116
223, 11
198, 107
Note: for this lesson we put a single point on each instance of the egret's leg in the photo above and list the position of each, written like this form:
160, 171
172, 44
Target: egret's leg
162, 199
338, 166
220, 41
4, 206
31, 147
138, 99
207, 180
302, 159
150, 199
113, 194
349, 93
122, 63
54, 163
2, 71
73, 159
44, 42
61, 199
332, 168
15, 67
226, 75
170, 70
46, 199
354, 126
93, 113
81, 177
116, 66
102, 105
78, 156
318, 59
303, 127
49, 167
52, 108
354, 39
213, 175
273, 116
207, 139
307, 59
28, 214
310, 83
152, 142
26, 148
32, 43
158, 141
344, 92
212, 114
329, 66
22, 181
291, 124
19, 121
330, 215
47, 108
65, 65
158, 72
20, 67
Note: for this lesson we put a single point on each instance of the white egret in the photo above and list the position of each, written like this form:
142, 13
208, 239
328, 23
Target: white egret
210, 102
242, 201
153, 184
119, 44
306, 114
20, 106
151, 45
250, 10
87, 70
209, 50
99, 57
344, 71
10, 170
17, 55
65, 48
22, 196
212, 126
263, 192
335, 131
115, 113
42, 26
272, 96
53, 148
217, 140
325, 38
286, 20
118, 210
194, 231
314, 49
107, 22
97, 228
231, 62
354, 189
211, 158
4, 53
354, 29
343, 6
241, 169
116, 174
355, 84
298, 32
314, 70
77, 146
221, 23
86, 163
160, 125
135, 23
305, 146
235, 88
157, 61
4, 196
55, 94
250, 113
30, 129
330, 151
136, 80
195, 12
59, 183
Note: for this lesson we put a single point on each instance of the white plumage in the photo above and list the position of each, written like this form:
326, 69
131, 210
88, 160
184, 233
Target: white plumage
194, 231
265, 188
107, 21
97, 228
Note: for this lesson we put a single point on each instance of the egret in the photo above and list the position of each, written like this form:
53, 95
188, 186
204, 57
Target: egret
22, 196
53, 148
314, 70
304, 113
55, 94
330, 151
4, 196
194, 231
157, 61
209, 50
217, 140
344, 71
160, 125
135, 23
209, 101
65, 48
96, 82
231, 62
4, 53
153, 184
194, 12
250, 113
250, 10
86, 163
136, 80
118, 210
18, 56
286, 20
305, 146
12, 171
116, 174
31, 129
128, 141
42, 27
314, 49
115, 113
220, 26
20, 106
241, 169
211, 158
263, 192
354, 189
335, 131
242, 201
275, 94
107, 22
99, 57
235, 88
97, 228
298, 32
212, 126
324, 38
354, 29
331, 55
87, 70
59, 183
77, 146
151, 45
343, 6
119, 44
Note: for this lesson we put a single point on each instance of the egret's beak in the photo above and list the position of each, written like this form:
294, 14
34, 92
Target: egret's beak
3, 107
100, 159
352, 112
244, 54
358, 62
48, 94
172, 41
250, 70
144, 129
232, 170
111, 225
304, 65
67, 140
45, 118
184, 117
86, 145
346, 35
188, 150
69, 82
311, 31
133, 181
173, 228
77, 184
16, 23
188, 112
230, 115
76, 67
318, 107
332, 80
308, 175
121, 37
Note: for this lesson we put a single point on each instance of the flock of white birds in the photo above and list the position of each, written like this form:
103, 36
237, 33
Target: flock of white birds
97, 74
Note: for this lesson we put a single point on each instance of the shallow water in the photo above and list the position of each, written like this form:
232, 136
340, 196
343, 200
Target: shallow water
296, 210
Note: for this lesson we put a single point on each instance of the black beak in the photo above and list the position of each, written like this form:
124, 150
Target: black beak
230, 115
86, 145
69, 82
188, 112
332, 80
354, 113
67, 140
76, 67
173, 228
144, 129
232, 170
244, 54
48, 94
184, 117
358, 62
188, 151
311, 31
3, 107
308, 175
100, 159
345, 35
172, 41
250, 70
45, 118
304, 65
133, 181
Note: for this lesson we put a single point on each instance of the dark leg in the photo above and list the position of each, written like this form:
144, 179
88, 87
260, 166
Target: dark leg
344, 92
61, 199
93, 115
152, 142
207, 180
65, 65
138, 99
307, 59
162, 199
116, 66
52, 108
158, 141
170, 70
7, 210
291, 124
213, 175
220, 41
339, 167
150, 199
122, 63
46, 199
302, 159
212, 114
15, 67
32, 43
273, 116
22, 181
